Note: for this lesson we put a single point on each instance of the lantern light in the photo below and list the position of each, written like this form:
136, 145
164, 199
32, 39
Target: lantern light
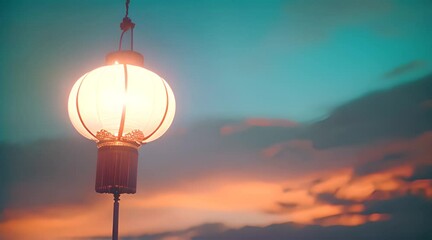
120, 106
121, 102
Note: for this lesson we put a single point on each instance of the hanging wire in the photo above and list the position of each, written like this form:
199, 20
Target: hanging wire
125, 25
127, 7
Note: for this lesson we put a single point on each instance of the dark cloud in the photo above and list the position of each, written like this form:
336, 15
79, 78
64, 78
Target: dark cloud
398, 112
412, 205
5, 176
405, 68
204, 229
379, 165
332, 199
260, 137
46, 172
421, 172
410, 214
387, 114
412, 221
374, 231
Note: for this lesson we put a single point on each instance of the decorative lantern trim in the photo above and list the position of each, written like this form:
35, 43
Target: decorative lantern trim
129, 144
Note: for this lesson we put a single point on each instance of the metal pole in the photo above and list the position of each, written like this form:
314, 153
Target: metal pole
115, 216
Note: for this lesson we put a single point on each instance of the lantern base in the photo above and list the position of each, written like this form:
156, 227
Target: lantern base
116, 169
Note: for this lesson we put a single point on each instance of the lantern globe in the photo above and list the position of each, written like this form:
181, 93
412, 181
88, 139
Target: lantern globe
121, 103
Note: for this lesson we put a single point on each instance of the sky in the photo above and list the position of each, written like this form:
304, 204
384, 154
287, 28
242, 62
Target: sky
295, 120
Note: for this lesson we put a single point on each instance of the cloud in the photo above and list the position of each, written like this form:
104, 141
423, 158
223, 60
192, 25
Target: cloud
209, 228
396, 156
407, 228
325, 197
256, 122
320, 174
376, 171
350, 219
398, 112
409, 222
405, 69
388, 161
332, 199
421, 172
387, 114
59, 221
46, 172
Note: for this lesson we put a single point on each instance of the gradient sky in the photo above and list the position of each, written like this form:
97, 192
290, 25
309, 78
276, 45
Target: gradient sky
295, 120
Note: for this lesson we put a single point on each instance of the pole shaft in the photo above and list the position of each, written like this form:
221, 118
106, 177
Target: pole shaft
115, 216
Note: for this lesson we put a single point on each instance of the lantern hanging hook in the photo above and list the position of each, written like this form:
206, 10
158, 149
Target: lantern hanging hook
126, 25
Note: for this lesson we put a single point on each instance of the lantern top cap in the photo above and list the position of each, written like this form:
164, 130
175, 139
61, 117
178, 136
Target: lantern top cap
125, 57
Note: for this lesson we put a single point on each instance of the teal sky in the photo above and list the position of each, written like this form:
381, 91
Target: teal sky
295, 60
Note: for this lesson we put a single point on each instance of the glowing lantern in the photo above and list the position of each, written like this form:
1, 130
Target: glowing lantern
121, 102
120, 106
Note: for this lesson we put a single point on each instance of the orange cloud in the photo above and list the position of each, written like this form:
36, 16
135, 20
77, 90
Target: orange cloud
333, 182
355, 208
361, 188
423, 187
352, 219
56, 222
242, 200
310, 213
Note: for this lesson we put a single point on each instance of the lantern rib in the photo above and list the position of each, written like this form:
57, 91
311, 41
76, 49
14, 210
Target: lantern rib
123, 117
78, 109
165, 114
